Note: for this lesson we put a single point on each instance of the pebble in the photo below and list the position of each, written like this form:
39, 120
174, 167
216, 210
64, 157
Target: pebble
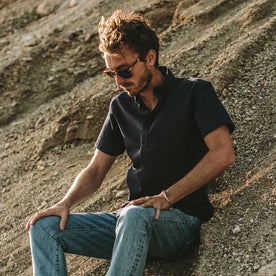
40, 165
89, 117
73, 3
52, 78
14, 104
40, 121
27, 59
47, 6
236, 229
40, 168
89, 37
121, 194
256, 266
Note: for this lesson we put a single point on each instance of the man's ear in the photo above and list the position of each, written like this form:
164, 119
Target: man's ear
151, 57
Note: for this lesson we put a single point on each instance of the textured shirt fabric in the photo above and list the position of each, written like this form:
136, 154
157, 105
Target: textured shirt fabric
166, 143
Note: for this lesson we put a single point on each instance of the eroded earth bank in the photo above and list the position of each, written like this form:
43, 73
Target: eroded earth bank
54, 98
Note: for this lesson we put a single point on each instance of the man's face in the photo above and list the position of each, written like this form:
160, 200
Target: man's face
140, 74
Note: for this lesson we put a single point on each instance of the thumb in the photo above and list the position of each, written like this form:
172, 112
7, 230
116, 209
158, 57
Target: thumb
63, 221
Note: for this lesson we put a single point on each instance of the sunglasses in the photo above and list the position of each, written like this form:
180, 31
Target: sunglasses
124, 73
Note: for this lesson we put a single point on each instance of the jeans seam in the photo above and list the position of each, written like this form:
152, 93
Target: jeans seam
57, 246
176, 221
188, 219
138, 254
80, 229
57, 258
166, 220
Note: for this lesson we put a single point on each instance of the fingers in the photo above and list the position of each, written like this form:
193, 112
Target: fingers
31, 221
63, 221
139, 200
156, 205
28, 224
156, 202
157, 213
35, 217
56, 210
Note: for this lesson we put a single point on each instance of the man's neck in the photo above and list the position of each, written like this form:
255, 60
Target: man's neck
148, 97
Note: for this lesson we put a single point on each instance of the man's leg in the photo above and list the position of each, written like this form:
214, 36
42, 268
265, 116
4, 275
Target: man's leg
138, 233
85, 234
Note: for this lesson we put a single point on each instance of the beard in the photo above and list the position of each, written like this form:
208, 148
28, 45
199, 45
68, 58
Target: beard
143, 83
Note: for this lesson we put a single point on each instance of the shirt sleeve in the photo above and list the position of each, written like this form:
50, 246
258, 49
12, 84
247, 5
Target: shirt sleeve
110, 140
209, 111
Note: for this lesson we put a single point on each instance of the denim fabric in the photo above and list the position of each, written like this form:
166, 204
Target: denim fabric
126, 240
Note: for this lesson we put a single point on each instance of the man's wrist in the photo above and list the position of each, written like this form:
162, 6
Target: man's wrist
165, 195
65, 202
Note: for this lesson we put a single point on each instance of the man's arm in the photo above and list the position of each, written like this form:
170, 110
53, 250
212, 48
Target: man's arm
85, 184
217, 159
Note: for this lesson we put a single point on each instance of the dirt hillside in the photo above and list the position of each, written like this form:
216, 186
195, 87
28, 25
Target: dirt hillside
54, 98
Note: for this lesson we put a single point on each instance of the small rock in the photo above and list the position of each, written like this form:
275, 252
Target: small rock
14, 104
89, 37
57, 30
73, 3
236, 229
47, 6
120, 194
52, 78
256, 266
70, 70
40, 121
40, 168
27, 59
225, 92
40, 165
89, 117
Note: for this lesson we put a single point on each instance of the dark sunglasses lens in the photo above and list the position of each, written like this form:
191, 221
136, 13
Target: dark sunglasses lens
124, 73
109, 74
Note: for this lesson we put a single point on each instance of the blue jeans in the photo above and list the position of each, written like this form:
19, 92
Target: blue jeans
126, 240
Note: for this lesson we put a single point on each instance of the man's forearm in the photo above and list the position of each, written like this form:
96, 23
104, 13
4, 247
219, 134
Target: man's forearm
85, 184
212, 164
89, 179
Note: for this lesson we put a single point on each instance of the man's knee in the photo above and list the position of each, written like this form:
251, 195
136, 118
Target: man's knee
47, 225
136, 214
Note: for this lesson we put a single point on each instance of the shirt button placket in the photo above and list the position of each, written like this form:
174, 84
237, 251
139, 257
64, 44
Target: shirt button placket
144, 143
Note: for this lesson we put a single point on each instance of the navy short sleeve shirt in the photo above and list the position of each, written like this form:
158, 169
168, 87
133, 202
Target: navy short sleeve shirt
166, 143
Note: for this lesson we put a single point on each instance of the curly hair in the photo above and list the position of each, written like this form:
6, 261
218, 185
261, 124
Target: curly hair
127, 28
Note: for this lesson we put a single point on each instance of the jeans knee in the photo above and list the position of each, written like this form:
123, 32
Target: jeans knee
136, 215
44, 225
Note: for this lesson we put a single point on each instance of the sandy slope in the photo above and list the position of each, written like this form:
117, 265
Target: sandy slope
53, 100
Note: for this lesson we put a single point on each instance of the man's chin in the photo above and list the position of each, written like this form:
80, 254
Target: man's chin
131, 94
132, 90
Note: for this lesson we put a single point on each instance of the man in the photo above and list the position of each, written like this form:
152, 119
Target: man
177, 134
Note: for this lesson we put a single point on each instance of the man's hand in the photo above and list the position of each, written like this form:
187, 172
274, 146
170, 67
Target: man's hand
158, 202
59, 210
